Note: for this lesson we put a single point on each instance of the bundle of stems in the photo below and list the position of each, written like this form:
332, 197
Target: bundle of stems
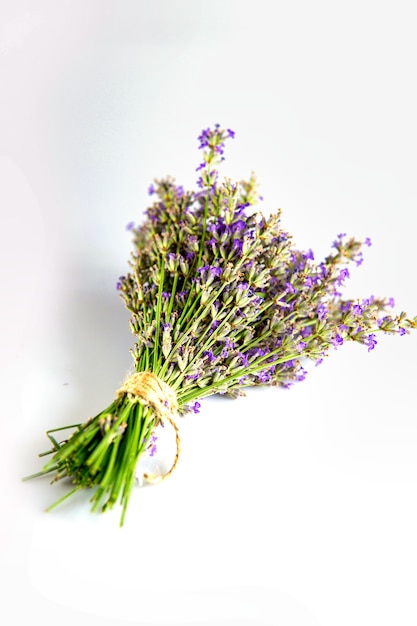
220, 300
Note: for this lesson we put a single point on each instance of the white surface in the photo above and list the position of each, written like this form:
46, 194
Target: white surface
288, 507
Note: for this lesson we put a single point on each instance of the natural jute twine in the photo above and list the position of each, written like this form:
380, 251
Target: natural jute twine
150, 390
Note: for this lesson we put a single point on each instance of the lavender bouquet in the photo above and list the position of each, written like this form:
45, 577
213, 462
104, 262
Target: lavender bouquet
220, 300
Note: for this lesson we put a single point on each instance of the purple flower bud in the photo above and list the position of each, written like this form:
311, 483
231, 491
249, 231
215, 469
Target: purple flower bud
209, 354
371, 342
196, 407
321, 311
240, 208
337, 341
264, 376
204, 138
343, 274
244, 359
238, 244
301, 374
238, 225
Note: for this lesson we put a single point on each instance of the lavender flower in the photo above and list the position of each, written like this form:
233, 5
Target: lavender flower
371, 341
337, 340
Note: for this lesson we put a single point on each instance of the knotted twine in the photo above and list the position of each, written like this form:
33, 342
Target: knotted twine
149, 390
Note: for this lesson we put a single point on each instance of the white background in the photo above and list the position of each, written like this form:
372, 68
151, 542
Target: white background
289, 507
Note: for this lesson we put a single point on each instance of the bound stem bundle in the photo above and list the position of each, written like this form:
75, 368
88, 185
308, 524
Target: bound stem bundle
221, 300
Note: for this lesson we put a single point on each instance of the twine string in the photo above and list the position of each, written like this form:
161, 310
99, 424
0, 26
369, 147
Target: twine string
147, 388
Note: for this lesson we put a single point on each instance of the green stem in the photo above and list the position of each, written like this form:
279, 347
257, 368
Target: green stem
61, 500
41, 473
206, 346
158, 310
173, 292
190, 395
